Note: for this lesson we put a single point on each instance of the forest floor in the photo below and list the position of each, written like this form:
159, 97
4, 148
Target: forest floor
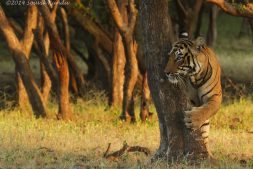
26, 142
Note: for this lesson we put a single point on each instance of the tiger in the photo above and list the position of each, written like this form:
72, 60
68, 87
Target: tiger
194, 64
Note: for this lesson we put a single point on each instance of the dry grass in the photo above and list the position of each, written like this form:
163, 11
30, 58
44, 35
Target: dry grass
36, 143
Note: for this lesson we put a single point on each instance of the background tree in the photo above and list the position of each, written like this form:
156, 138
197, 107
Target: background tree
189, 16
60, 55
127, 29
119, 60
22, 63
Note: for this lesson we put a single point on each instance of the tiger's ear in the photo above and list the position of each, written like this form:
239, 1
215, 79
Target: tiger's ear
199, 43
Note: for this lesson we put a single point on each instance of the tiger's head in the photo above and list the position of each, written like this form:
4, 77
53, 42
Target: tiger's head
185, 59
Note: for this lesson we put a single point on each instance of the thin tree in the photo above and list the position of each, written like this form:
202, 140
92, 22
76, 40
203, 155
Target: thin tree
119, 61
45, 79
126, 30
77, 79
60, 61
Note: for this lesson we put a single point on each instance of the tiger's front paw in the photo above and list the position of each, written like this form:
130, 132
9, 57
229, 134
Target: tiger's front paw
194, 118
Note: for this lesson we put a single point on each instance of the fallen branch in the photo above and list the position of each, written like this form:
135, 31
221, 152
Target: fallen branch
125, 148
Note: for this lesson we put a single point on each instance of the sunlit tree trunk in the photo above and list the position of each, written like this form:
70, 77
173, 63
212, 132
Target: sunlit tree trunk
45, 79
26, 43
118, 76
61, 64
126, 30
73, 82
119, 61
131, 75
20, 52
60, 60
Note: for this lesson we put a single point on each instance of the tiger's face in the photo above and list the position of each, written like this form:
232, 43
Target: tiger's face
183, 61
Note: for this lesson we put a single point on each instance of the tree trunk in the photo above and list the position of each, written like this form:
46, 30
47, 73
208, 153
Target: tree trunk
73, 82
22, 95
118, 77
131, 75
212, 28
45, 82
194, 17
60, 61
26, 43
45, 79
126, 30
22, 65
32, 90
170, 101
119, 60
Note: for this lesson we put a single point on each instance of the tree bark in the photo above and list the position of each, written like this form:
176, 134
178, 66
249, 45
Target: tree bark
22, 66
156, 46
73, 81
42, 53
126, 30
212, 28
118, 77
26, 45
170, 101
45, 77
119, 61
45, 80
60, 61
61, 64
131, 76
